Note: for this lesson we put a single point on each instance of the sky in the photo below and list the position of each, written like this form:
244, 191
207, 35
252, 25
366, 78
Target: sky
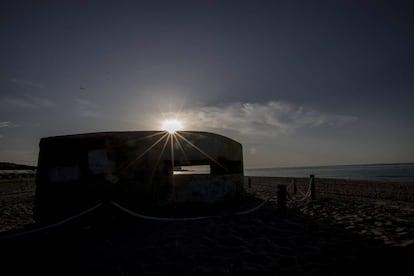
298, 83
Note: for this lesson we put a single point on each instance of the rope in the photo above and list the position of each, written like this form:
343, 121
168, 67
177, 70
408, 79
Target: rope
5, 237
305, 195
297, 200
253, 209
117, 205
15, 193
120, 207
43, 228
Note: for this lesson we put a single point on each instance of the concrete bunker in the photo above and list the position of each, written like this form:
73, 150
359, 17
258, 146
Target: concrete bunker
139, 169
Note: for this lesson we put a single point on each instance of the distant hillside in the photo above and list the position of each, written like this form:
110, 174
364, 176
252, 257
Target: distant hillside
12, 166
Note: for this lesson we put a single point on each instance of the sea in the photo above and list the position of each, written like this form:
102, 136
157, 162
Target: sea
402, 172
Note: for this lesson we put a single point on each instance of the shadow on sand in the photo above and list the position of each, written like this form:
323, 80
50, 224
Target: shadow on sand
109, 242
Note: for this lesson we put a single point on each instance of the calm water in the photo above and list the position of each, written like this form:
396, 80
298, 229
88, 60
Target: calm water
377, 172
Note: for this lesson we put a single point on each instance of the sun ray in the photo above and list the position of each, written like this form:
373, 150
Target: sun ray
160, 155
182, 149
201, 151
142, 154
172, 163
121, 144
154, 189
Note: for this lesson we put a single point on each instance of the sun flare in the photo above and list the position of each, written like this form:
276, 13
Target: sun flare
171, 126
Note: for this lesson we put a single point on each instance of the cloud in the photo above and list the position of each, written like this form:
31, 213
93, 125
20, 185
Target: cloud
7, 124
271, 118
28, 101
87, 108
26, 83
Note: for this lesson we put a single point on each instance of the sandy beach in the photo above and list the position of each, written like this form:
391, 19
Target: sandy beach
333, 235
379, 210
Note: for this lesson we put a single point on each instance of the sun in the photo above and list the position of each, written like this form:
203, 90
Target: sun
171, 126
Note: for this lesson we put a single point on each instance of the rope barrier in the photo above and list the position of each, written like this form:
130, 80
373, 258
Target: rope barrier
16, 193
132, 213
120, 207
305, 195
302, 193
253, 209
43, 228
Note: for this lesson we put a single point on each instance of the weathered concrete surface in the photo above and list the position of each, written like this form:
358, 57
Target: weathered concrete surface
136, 168
206, 188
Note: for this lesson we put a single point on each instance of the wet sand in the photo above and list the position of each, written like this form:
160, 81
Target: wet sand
329, 236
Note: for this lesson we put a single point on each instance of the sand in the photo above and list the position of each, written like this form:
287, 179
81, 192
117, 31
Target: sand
329, 236
16, 202
376, 210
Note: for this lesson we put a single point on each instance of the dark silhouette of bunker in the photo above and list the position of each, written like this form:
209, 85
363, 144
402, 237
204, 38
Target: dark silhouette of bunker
138, 169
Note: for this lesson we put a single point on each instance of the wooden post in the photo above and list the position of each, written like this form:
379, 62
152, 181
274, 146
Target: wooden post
312, 187
281, 199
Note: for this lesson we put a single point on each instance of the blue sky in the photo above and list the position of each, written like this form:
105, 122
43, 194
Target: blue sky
296, 82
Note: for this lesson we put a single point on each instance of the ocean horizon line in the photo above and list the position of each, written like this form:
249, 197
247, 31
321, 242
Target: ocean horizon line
401, 172
331, 166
